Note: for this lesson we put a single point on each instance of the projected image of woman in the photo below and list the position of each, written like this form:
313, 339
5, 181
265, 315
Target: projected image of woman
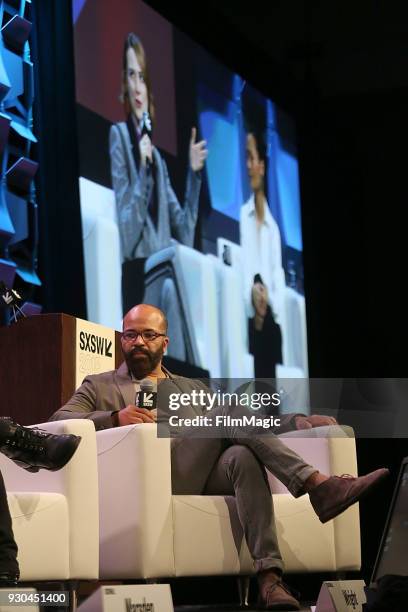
262, 264
149, 213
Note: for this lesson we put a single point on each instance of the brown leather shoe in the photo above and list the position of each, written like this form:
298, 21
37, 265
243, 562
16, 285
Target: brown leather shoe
275, 595
337, 493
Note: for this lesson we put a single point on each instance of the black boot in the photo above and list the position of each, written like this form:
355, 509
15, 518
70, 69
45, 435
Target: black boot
9, 580
34, 449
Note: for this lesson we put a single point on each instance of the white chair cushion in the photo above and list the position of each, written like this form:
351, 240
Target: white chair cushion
208, 539
136, 535
204, 542
36, 515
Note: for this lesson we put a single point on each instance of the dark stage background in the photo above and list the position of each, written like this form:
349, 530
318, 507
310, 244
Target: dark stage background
340, 69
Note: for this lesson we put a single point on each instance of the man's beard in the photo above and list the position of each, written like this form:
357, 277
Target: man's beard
141, 362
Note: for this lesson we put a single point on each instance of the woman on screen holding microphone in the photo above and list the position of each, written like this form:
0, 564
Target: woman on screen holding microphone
149, 213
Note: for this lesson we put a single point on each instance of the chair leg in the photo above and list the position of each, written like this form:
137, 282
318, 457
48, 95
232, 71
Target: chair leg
73, 601
243, 590
66, 586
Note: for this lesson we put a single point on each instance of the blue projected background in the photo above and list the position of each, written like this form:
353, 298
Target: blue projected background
221, 126
288, 198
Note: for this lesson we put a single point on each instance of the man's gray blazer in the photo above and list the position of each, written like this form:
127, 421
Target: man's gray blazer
102, 394
139, 236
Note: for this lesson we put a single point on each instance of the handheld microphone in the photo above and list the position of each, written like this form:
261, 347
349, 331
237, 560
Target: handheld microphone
146, 125
146, 397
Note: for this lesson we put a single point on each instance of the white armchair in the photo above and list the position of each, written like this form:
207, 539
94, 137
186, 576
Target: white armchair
55, 514
146, 532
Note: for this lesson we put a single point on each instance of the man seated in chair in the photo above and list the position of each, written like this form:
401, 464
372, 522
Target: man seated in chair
229, 465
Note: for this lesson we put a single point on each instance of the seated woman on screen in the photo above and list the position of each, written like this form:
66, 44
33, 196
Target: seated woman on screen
149, 213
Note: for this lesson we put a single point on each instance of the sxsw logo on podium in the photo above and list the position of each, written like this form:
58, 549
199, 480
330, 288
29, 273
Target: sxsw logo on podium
95, 344
95, 349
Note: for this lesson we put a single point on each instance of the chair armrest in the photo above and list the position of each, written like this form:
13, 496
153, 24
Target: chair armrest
328, 431
135, 500
78, 482
331, 448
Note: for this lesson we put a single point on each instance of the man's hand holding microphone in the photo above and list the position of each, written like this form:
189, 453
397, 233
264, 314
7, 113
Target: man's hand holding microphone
143, 410
133, 415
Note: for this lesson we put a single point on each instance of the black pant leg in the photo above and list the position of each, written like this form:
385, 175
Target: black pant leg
265, 345
8, 546
132, 283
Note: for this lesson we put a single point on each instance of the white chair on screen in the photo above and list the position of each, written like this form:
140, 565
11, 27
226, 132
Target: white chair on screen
102, 255
182, 281
236, 361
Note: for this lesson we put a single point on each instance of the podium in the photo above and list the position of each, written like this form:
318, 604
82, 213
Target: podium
45, 357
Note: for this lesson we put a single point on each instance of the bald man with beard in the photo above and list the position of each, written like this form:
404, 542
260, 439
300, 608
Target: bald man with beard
226, 465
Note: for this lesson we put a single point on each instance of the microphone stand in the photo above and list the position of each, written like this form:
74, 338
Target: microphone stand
11, 297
